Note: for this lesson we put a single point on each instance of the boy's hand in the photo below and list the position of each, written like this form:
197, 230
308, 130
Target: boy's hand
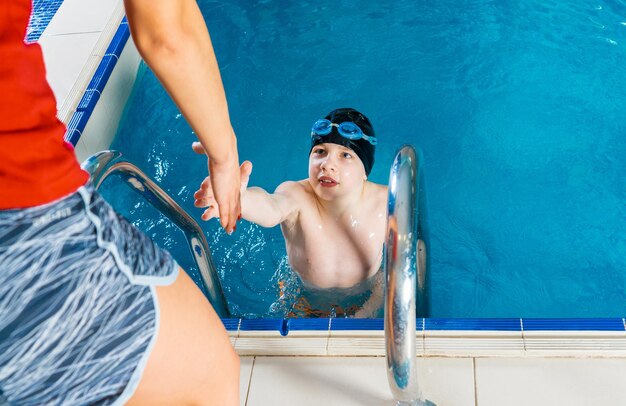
204, 197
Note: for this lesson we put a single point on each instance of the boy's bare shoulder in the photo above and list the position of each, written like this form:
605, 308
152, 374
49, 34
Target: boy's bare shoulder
294, 188
297, 194
379, 192
376, 196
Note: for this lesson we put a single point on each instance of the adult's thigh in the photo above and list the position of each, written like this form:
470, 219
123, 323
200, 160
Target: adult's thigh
192, 362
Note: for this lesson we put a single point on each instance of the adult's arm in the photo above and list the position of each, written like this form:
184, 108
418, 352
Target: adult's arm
173, 39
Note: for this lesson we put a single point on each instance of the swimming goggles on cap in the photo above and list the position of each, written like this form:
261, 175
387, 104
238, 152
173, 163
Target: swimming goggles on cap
346, 129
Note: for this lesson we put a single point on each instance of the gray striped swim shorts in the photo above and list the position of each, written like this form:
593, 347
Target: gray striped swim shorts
78, 307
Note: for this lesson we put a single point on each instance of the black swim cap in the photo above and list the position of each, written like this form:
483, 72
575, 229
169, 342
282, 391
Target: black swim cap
363, 148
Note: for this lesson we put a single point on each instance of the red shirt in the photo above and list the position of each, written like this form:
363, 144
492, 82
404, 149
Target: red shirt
36, 165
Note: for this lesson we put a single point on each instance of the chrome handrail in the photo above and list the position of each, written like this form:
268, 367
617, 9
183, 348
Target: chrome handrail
105, 163
406, 282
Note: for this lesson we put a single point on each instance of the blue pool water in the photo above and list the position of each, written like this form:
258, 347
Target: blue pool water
517, 107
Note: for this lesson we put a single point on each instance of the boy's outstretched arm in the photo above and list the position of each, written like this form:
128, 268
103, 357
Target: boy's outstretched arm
268, 209
257, 205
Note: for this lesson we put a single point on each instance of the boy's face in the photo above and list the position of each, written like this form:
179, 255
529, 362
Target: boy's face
334, 171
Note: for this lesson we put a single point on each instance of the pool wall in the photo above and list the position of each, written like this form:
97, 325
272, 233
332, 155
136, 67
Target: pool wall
92, 110
86, 45
601, 338
94, 122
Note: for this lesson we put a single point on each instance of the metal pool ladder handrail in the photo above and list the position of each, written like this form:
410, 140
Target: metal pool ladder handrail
406, 287
105, 163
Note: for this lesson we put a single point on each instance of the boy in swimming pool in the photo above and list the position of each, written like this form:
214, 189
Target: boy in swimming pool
334, 221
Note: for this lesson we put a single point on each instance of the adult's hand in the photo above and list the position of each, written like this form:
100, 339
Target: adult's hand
225, 184
221, 190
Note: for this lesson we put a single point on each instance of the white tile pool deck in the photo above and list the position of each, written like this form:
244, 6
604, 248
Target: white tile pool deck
71, 42
71, 39
348, 381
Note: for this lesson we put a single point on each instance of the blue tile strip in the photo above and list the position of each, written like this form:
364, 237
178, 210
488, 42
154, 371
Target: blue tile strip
574, 324
357, 324
474, 324
286, 325
116, 46
321, 324
231, 324
279, 325
40, 17
90, 98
